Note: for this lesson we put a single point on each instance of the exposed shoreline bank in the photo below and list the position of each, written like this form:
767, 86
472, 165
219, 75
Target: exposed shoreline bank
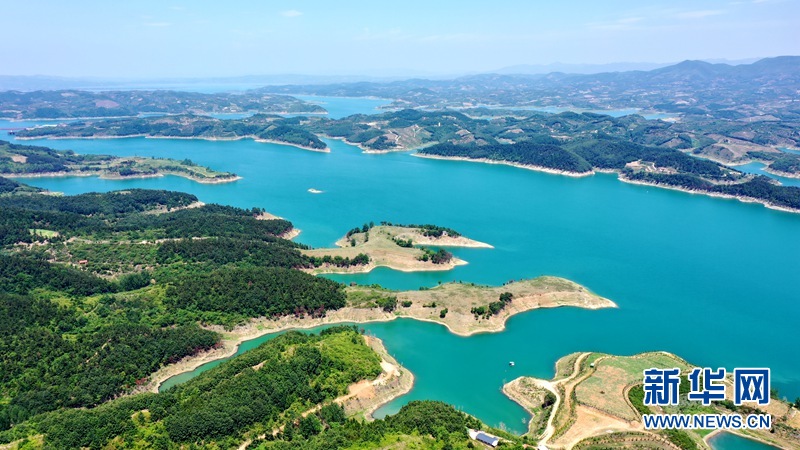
624, 179
121, 177
740, 198
454, 322
508, 163
201, 138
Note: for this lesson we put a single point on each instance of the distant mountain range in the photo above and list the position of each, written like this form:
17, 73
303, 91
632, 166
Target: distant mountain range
767, 87
587, 69
238, 83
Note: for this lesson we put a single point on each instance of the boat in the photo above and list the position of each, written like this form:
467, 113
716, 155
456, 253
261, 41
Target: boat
511, 363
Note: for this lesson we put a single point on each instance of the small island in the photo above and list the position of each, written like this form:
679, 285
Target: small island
395, 246
25, 161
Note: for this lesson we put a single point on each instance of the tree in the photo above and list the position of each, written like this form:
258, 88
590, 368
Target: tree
310, 426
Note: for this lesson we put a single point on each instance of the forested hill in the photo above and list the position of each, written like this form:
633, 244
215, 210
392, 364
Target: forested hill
98, 291
660, 166
23, 160
81, 104
260, 127
277, 396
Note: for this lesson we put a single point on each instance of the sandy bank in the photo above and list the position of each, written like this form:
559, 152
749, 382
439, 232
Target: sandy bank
542, 292
782, 174
111, 176
203, 138
712, 194
508, 163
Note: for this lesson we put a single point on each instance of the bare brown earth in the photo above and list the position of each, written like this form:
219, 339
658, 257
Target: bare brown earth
729, 149
371, 395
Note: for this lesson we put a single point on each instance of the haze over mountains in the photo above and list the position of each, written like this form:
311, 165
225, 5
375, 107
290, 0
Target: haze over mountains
48, 82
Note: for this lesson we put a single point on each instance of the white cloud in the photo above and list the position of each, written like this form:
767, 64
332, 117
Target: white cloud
702, 14
625, 23
291, 13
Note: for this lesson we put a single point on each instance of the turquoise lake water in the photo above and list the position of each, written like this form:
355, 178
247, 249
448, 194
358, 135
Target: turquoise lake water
339, 107
758, 169
712, 280
730, 441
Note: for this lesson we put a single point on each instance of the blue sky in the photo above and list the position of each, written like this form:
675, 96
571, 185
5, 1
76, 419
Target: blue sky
198, 38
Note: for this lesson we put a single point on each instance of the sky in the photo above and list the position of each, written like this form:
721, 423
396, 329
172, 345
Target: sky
199, 38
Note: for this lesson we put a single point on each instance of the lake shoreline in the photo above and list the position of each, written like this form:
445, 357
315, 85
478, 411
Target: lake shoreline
257, 328
740, 198
507, 163
188, 138
624, 179
710, 436
103, 176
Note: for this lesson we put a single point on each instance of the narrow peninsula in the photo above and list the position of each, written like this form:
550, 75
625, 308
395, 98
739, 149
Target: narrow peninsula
26, 161
260, 127
399, 247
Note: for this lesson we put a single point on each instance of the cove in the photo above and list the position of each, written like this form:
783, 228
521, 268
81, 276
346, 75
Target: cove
710, 279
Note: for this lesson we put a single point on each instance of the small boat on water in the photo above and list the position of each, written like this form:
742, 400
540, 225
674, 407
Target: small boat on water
511, 363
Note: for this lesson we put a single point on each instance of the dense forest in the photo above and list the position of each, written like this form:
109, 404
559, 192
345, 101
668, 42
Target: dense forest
260, 126
258, 396
118, 282
779, 162
257, 291
10, 187
54, 356
525, 153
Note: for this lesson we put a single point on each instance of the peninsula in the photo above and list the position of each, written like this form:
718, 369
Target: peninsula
398, 247
260, 127
25, 161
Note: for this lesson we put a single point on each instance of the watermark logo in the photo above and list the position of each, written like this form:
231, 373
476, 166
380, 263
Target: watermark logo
713, 387
751, 385
662, 388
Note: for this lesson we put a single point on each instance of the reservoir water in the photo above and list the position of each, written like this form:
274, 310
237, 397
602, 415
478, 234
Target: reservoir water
730, 441
710, 279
